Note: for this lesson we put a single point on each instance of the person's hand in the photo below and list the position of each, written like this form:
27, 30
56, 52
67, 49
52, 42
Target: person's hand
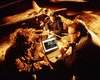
38, 65
44, 63
63, 51
51, 34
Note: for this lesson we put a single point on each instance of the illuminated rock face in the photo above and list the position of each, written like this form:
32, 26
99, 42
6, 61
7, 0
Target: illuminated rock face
92, 23
3, 47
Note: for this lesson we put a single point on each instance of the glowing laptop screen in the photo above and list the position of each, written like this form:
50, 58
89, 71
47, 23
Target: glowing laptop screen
50, 44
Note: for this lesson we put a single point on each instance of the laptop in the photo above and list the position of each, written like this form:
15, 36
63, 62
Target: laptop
51, 49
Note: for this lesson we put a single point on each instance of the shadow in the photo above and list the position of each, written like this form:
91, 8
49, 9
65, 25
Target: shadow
87, 66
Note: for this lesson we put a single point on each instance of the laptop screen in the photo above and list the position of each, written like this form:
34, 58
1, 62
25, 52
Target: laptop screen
49, 44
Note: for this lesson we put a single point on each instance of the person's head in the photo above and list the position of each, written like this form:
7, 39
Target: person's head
54, 17
22, 38
76, 31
